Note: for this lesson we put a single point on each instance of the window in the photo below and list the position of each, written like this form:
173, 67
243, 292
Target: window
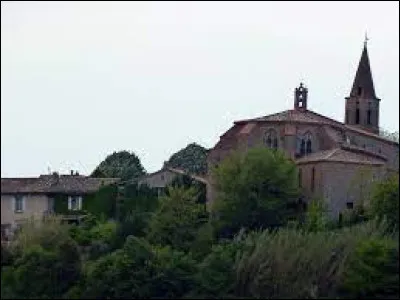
349, 205
302, 147
369, 117
312, 179
271, 139
75, 203
308, 138
308, 147
359, 91
19, 203
357, 115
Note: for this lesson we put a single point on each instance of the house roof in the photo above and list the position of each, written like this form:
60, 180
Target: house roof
311, 117
175, 171
47, 184
344, 154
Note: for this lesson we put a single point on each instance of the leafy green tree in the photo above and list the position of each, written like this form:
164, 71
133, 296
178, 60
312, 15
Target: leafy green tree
47, 262
217, 274
385, 201
186, 181
178, 219
137, 205
138, 271
192, 158
123, 164
256, 189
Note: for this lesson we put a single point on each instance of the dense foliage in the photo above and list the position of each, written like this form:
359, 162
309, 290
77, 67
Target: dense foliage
122, 164
177, 219
385, 200
168, 247
192, 158
257, 189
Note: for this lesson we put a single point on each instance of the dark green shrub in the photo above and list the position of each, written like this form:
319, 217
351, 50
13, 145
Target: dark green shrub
373, 270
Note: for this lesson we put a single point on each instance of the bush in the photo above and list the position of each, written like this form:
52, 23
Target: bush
216, 276
297, 264
385, 201
47, 262
138, 271
373, 270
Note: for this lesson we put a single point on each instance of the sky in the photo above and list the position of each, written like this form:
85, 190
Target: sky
80, 80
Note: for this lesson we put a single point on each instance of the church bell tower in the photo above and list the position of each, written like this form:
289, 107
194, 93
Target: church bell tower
362, 106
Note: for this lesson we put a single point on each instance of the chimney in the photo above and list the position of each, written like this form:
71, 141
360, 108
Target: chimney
72, 172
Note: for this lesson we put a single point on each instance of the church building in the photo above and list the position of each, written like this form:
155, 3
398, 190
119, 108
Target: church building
331, 156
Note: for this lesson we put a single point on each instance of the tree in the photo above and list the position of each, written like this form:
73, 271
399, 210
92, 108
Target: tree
139, 271
122, 164
192, 158
47, 262
385, 200
256, 189
178, 219
393, 136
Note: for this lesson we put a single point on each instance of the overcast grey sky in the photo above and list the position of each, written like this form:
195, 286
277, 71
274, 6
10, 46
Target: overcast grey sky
80, 80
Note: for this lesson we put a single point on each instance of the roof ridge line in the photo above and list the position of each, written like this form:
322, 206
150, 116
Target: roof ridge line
333, 151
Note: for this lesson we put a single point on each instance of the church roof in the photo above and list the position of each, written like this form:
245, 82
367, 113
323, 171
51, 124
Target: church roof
363, 79
344, 154
311, 117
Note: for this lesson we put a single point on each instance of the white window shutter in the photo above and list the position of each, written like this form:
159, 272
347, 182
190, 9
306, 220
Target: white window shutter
13, 203
69, 203
80, 203
23, 203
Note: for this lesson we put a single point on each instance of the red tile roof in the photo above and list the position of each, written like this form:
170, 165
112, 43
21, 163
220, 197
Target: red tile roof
345, 154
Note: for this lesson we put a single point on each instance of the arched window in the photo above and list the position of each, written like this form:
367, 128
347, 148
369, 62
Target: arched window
308, 142
271, 139
302, 147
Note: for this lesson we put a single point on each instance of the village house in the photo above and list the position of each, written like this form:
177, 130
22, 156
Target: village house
160, 179
331, 155
26, 198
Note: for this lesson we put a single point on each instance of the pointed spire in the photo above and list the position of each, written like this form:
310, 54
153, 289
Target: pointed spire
363, 85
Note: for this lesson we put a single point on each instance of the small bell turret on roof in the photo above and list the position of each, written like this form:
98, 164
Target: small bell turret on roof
300, 97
